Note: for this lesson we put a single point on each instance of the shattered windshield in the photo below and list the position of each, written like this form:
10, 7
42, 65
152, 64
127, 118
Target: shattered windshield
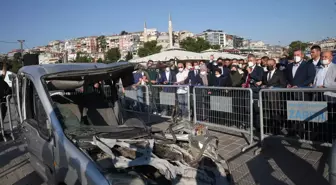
83, 104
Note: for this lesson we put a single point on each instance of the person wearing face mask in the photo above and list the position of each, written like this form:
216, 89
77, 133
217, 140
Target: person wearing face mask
204, 75
168, 77
254, 74
274, 77
300, 73
264, 60
237, 78
194, 76
220, 80
188, 66
182, 96
223, 66
326, 73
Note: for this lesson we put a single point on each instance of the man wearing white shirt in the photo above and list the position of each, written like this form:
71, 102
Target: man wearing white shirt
182, 95
322, 70
330, 77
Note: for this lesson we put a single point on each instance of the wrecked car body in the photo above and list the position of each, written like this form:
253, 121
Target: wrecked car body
76, 132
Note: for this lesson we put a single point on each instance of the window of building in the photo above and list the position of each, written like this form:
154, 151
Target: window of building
35, 109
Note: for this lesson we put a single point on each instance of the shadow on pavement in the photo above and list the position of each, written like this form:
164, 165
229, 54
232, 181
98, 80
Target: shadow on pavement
7, 155
31, 179
277, 164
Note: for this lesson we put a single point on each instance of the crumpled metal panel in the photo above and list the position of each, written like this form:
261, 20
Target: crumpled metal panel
179, 173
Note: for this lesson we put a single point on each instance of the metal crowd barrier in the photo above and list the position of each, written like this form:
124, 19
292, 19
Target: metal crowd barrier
225, 107
305, 114
170, 100
5, 107
135, 99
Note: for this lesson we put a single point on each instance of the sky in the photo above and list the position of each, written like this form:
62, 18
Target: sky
272, 21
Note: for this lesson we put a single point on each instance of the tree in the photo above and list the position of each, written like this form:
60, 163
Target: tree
100, 60
215, 46
112, 55
123, 32
80, 58
296, 45
149, 48
129, 56
17, 56
195, 45
101, 42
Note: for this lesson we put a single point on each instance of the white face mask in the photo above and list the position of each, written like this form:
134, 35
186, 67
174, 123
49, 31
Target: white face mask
250, 64
188, 67
197, 67
203, 72
325, 62
180, 69
218, 75
167, 69
297, 59
215, 63
240, 65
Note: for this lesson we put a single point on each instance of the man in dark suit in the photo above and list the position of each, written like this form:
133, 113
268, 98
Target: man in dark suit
224, 66
194, 76
274, 77
212, 64
168, 77
254, 74
315, 52
300, 73
253, 79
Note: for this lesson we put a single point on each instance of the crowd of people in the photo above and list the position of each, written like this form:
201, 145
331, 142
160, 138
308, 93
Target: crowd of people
265, 72
255, 73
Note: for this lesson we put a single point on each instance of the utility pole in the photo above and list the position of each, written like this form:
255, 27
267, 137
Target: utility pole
21, 48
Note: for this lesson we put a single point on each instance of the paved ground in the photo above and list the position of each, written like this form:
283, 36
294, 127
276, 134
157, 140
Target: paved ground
279, 163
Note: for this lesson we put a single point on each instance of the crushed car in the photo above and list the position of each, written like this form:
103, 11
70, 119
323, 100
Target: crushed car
77, 133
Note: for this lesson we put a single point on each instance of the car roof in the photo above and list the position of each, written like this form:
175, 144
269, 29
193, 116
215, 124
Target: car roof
46, 69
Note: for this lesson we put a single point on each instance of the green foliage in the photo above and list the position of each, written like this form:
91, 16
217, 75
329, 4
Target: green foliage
123, 32
112, 55
149, 48
296, 45
17, 56
15, 66
100, 60
129, 56
80, 58
102, 43
215, 47
195, 45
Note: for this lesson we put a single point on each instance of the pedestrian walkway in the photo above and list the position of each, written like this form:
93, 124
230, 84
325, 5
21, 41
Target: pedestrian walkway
280, 163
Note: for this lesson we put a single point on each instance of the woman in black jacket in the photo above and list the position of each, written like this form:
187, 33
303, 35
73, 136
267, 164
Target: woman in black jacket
221, 80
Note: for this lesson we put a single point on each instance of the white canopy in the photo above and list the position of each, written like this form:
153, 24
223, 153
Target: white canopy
169, 54
184, 55
221, 55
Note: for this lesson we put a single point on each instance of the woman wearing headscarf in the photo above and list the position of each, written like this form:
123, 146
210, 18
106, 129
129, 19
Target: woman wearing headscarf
236, 76
204, 75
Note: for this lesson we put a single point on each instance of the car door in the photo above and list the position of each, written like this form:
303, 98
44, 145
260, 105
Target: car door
17, 96
37, 134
